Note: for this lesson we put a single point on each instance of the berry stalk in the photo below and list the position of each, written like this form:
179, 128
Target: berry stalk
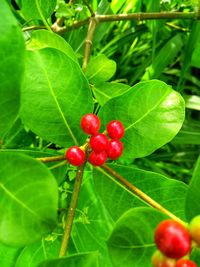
140, 193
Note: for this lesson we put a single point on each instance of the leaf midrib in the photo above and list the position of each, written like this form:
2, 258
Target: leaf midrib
150, 110
10, 194
55, 99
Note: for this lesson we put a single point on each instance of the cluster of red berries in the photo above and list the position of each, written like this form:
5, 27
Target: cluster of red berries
101, 145
174, 242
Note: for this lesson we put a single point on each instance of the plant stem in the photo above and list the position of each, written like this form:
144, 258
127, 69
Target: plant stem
57, 165
35, 27
76, 25
148, 16
71, 211
51, 159
88, 41
141, 194
131, 16
89, 7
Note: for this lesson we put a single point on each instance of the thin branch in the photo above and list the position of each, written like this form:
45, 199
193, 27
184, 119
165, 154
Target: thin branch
35, 27
71, 211
141, 194
58, 165
76, 25
89, 7
56, 27
148, 16
52, 159
88, 41
131, 16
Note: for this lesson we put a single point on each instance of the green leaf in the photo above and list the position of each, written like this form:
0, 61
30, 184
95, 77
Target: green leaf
36, 253
192, 204
100, 69
11, 67
29, 197
8, 255
79, 260
58, 172
164, 57
38, 9
105, 91
43, 38
55, 95
131, 241
152, 113
169, 193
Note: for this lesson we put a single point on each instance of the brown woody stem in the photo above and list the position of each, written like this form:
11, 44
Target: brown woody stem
132, 16
148, 16
89, 7
140, 193
71, 211
88, 41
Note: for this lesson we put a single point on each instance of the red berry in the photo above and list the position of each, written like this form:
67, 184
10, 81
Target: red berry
97, 159
159, 260
194, 229
114, 149
115, 129
90, 124
185, 263
173, 239
99, 142
75, 156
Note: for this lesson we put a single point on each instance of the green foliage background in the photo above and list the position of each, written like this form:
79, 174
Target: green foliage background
144, 73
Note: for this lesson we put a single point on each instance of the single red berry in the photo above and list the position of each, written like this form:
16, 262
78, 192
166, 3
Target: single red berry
194, 229
75, 156
185, 263
97, 159
99, 142
114, 149
172, 239
159, 260
90, 124
115, 129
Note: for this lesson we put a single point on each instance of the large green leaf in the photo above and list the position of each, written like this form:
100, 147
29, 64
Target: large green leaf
8, 255
36, 253
100, 69
11, 67
105, 91
131, 241
29, 197
43, 38
37, 9
168, 192
152, 113
192, 204
59, 173
78, 260
55, 95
